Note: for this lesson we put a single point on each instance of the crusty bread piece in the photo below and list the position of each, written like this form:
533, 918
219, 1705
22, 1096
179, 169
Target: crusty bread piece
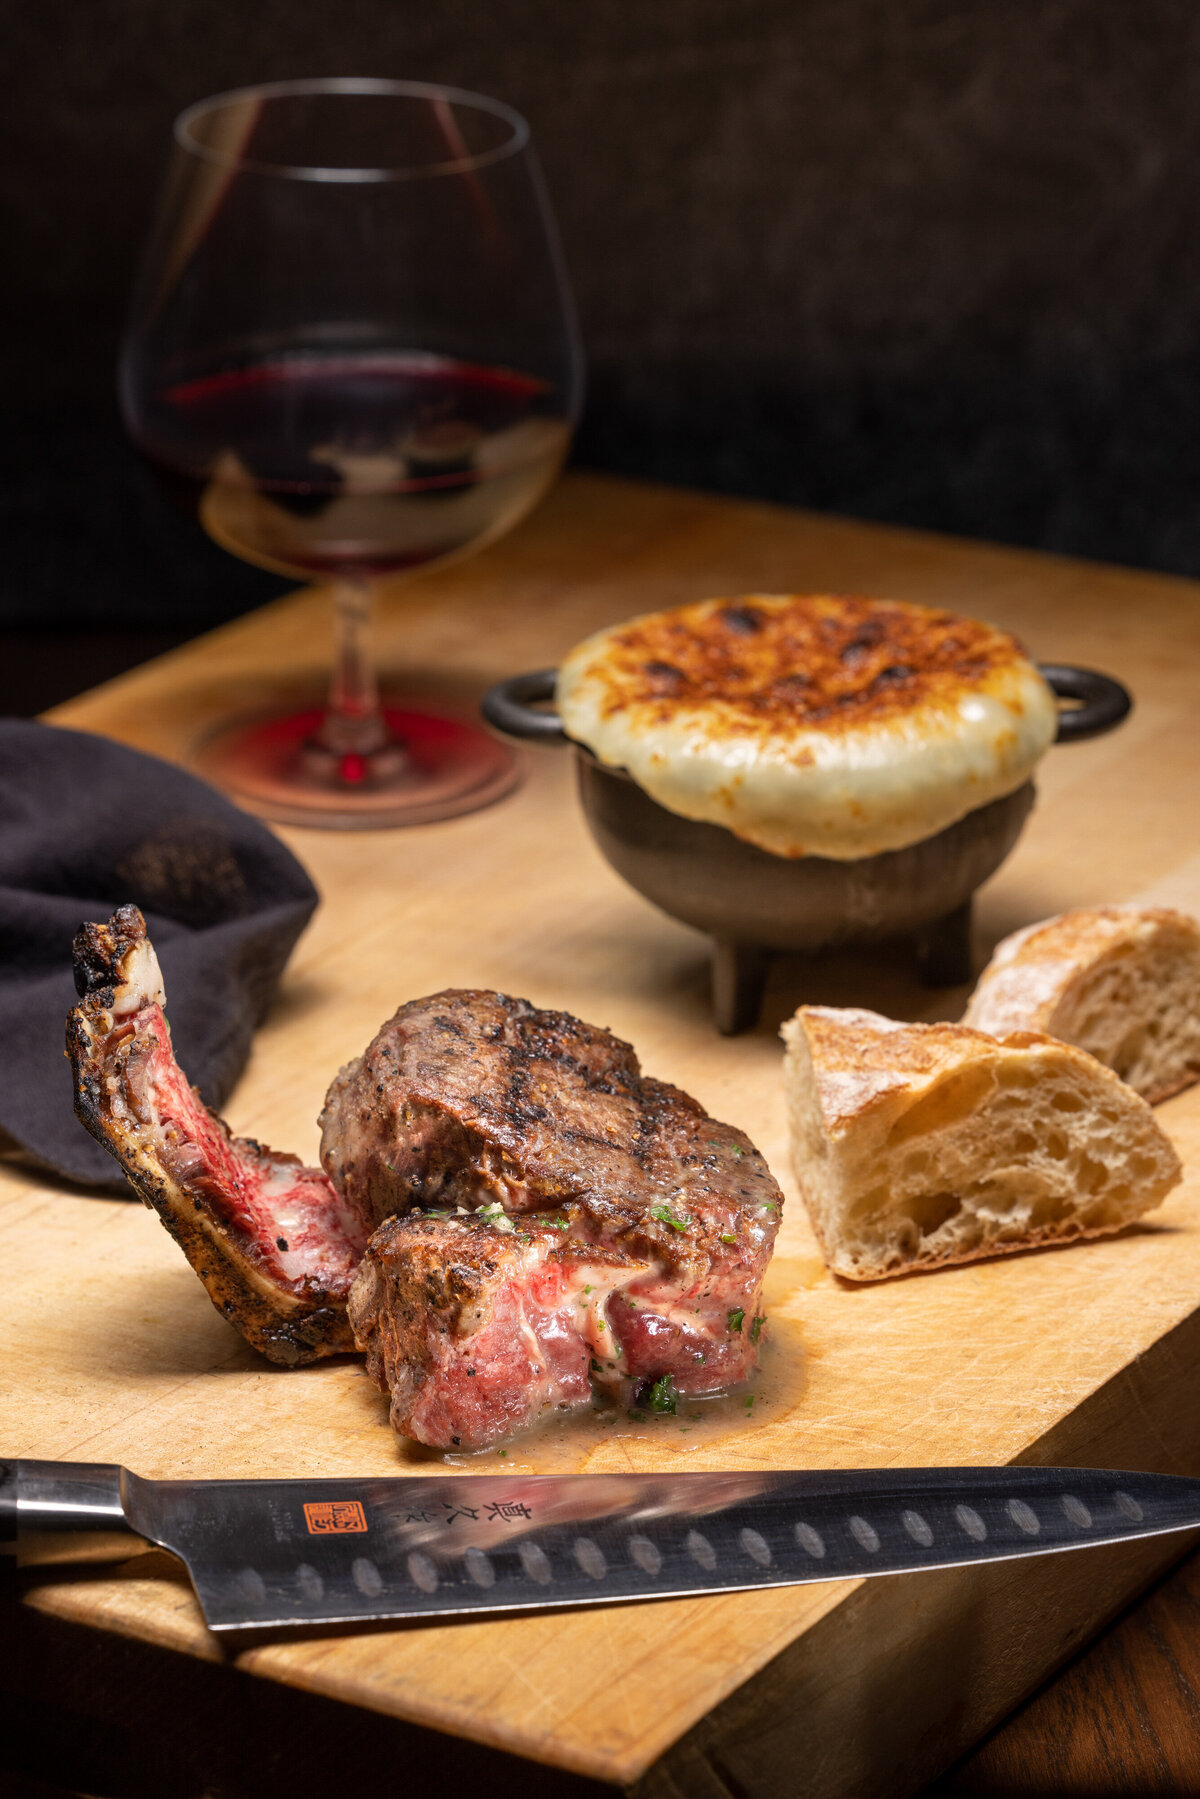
918, 1144
1120, 982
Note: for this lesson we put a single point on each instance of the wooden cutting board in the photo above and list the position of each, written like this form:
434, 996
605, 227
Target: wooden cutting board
1087, 1354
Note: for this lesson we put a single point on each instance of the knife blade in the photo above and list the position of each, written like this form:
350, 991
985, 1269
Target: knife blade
277, 1554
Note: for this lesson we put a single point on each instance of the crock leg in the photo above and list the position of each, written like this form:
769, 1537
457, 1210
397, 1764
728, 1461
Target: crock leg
944, 949
739, 975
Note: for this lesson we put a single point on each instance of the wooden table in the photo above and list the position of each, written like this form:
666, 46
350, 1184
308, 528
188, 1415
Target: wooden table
1088, 1354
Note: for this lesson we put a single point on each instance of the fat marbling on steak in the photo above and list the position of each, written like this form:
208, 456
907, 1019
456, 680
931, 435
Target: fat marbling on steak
274, 1244
549, 1219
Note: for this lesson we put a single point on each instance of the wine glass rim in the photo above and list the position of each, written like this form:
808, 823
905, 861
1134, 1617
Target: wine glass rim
354, 84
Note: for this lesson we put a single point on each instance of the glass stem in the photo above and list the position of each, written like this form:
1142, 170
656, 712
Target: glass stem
353, 724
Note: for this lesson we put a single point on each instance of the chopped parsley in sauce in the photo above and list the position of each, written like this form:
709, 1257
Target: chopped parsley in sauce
663, 1396
678, 1221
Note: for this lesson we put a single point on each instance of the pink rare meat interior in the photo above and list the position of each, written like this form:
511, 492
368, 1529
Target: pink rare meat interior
288, 1217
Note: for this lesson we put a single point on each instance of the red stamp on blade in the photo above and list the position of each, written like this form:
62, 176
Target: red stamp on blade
331, 1517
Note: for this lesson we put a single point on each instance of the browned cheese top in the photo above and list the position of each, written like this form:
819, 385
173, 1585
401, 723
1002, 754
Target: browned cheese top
812, 723
834, 660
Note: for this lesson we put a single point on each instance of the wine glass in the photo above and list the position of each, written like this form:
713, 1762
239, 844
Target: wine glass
352, 344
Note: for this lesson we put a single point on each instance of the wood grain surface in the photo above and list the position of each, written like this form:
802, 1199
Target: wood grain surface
1121, 1722
1088, 1354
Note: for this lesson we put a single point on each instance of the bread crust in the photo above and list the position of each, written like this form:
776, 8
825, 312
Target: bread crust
812, 724
1121, 982
922, 1145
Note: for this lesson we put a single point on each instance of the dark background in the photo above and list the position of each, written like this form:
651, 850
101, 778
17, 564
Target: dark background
916, 261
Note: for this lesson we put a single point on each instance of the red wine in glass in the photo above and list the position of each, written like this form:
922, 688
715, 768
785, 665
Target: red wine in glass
339, 416
362, 464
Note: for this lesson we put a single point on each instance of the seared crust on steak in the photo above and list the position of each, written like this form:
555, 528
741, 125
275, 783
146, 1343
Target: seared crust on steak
599, 1180
470, 1097
272, 1241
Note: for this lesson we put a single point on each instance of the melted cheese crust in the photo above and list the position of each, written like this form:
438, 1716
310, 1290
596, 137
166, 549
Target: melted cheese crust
811, 724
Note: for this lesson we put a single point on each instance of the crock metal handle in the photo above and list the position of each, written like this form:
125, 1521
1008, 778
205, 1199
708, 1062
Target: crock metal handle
1103, 701
509, 706
512, 706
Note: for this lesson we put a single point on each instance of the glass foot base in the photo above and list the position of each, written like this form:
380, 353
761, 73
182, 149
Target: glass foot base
434, 767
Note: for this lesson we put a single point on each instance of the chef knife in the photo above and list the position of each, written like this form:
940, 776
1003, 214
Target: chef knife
271, 1554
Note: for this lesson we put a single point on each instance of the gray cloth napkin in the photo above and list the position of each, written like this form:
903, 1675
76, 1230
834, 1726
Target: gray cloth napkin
87, 825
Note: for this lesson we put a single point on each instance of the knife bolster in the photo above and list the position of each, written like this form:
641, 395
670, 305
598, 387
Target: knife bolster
65, 1512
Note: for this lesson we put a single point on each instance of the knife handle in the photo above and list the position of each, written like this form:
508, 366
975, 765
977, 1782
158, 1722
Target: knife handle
65, 1512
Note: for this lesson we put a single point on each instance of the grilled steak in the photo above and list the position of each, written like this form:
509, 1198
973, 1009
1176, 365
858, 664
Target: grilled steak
547, 1220
272, 1241
618, 1231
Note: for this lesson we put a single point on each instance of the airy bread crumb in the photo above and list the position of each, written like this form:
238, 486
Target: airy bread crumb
920, 1144
1120, 982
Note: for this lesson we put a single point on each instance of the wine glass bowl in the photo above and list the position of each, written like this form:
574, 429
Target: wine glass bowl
353, 343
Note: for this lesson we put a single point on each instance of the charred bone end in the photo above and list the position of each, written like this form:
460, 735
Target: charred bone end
118, 956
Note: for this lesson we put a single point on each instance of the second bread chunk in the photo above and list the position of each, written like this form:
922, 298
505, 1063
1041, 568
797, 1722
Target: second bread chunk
921, 1144
1121, 982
